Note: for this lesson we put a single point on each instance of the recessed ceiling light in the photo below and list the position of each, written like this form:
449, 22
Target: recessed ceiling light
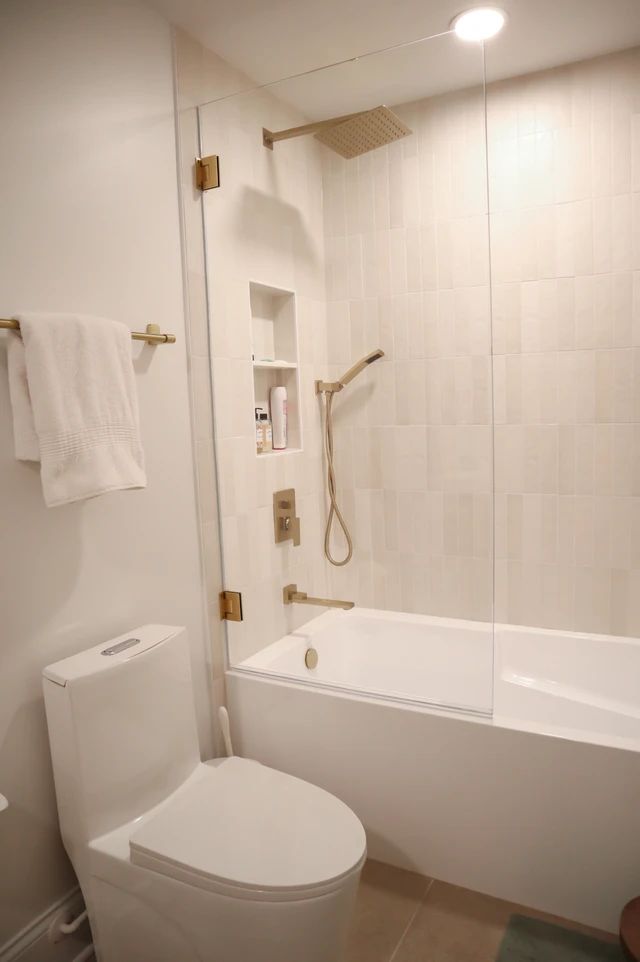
480, 23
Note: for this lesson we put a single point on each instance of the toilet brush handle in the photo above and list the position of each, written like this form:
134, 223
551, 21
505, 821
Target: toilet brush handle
223, 717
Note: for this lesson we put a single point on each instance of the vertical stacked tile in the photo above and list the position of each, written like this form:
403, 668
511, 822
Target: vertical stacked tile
564, 149
408, 269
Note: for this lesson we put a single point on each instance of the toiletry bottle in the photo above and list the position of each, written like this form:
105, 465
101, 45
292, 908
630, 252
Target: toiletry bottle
278, 402
267, 436
259, 432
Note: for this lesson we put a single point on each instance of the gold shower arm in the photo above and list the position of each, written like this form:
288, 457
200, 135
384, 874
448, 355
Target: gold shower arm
269, 137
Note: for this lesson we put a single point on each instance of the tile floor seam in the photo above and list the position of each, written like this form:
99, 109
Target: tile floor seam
411, 920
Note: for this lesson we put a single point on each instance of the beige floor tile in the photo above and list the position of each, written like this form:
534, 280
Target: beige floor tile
388, 898
455, 925
458, 925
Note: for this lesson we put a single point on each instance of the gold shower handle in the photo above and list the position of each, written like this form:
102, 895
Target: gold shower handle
290, 529
286, 524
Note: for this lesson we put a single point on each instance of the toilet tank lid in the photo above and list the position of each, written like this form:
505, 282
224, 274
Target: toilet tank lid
108, 654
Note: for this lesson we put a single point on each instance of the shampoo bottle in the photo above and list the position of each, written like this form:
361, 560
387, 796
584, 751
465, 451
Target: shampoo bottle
259, 432
278, 405
267, 444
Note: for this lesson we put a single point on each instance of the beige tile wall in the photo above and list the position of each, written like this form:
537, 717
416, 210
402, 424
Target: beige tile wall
564, 149
407, 255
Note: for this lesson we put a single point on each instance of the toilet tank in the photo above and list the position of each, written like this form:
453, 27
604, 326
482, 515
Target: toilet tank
122, 729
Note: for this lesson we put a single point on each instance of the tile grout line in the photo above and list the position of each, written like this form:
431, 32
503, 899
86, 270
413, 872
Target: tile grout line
411, 920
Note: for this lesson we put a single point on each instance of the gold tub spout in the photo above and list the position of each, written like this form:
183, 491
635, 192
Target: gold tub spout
291, 595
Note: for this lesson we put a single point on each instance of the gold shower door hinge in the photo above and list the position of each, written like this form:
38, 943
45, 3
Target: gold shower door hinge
208, 172
230, 606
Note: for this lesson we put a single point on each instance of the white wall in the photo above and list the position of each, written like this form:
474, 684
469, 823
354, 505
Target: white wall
89, 206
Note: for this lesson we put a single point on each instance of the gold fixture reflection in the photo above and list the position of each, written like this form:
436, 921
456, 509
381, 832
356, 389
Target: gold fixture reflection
286, 526
152, 335
349, 135
291, 595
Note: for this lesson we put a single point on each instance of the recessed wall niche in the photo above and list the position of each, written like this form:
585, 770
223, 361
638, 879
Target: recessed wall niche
275, 354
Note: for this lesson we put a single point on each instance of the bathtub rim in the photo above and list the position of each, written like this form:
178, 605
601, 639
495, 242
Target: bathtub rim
618, 743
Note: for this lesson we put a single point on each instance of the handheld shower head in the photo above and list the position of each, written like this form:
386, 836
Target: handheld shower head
360, 366
330, 387
328, 390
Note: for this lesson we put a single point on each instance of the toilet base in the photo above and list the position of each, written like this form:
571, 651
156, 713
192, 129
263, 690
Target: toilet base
161, 920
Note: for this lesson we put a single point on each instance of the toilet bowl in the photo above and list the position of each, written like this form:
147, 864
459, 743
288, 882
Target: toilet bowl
179, 860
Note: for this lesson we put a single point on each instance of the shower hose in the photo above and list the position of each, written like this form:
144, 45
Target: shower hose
334, 510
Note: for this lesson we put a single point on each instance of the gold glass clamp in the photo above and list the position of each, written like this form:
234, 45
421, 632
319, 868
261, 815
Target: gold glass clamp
286, 526
207, 172
230, 606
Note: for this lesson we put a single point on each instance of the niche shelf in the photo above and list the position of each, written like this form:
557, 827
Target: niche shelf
272, 365
275, 355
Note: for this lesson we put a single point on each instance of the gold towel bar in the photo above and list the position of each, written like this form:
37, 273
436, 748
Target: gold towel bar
153, 334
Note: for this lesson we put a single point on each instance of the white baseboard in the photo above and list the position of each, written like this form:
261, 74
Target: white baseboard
32, 943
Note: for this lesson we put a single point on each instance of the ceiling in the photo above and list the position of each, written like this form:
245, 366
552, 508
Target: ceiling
271, 39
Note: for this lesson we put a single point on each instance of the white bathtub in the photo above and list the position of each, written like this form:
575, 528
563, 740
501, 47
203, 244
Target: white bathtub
510, 765
407, 658
585, 687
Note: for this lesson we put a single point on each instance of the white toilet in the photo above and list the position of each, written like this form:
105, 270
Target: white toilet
180, 861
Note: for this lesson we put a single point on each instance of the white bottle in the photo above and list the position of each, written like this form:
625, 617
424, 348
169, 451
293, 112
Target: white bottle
278, 401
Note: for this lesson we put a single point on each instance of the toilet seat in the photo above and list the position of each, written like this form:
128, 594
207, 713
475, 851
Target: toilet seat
247, 831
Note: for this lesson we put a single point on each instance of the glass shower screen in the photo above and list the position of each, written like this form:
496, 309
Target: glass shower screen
351, 217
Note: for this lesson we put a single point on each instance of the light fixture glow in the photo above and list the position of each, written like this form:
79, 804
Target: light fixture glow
479, 24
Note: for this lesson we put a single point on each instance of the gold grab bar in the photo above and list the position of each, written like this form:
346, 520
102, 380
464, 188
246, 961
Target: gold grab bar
291, 595
152, 335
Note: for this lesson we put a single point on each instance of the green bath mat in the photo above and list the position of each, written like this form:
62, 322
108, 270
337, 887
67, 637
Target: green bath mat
530, 940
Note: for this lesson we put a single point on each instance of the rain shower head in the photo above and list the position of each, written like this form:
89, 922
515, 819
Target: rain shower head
330, 387
350, 135
364, 132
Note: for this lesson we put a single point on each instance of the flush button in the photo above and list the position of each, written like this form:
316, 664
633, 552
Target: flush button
121, 646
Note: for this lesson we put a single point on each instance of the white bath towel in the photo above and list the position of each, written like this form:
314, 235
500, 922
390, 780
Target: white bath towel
74, 404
